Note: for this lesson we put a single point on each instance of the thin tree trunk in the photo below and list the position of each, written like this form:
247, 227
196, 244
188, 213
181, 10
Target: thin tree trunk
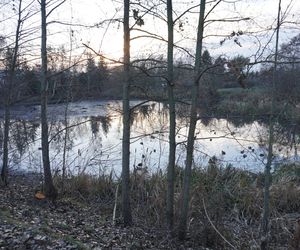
69, 98
4, 171
192, 127
126, 210
50, 190
266, 210
65, 145
172, 117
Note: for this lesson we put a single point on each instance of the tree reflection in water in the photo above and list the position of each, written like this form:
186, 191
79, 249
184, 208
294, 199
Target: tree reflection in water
94, 139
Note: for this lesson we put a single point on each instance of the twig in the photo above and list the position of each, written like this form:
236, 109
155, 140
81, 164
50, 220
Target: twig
214, 227
82, 197
115, 206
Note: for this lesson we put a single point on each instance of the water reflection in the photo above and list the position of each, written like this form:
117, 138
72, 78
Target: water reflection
97, 121
88, 139
23, 134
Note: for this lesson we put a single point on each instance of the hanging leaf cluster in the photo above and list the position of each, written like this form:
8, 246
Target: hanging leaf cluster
235, 36
139, 20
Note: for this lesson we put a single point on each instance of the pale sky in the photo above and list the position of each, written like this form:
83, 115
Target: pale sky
108, 38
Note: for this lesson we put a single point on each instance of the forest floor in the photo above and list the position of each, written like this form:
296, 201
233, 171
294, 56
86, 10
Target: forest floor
28, 223
225, 213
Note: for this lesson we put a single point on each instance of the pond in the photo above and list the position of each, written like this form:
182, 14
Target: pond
92, 142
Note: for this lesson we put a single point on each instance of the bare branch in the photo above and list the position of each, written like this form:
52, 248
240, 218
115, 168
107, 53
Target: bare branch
55, 7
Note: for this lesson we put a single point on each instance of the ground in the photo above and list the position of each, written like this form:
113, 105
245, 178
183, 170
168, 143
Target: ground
28, 223
225, 212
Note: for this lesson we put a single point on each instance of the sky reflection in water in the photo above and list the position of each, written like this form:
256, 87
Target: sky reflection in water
93, 142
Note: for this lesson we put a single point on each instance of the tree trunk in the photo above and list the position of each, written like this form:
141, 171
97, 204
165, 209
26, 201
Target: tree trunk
266, 209
4, 171
11, 77
192, 127
63, 178
172, 121
50, 190
126, 210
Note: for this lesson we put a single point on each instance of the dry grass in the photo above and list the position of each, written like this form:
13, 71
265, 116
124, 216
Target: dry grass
232, 198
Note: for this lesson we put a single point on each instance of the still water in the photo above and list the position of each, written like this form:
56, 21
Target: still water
92, 142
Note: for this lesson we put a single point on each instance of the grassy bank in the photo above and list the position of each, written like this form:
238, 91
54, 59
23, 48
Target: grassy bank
225, 210
226, 203
255, 102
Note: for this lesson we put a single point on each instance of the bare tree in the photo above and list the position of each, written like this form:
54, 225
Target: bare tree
266, 208
8, 99
172, 117
50, 190
192, 126
126, 210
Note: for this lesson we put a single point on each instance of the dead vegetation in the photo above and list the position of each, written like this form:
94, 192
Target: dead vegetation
226, 208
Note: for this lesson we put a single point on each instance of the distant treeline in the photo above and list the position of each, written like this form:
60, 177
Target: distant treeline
95, 77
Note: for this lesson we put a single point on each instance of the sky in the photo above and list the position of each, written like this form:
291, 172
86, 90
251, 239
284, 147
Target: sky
263, 14
108, 38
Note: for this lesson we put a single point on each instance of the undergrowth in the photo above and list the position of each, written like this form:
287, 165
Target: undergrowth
226, 202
